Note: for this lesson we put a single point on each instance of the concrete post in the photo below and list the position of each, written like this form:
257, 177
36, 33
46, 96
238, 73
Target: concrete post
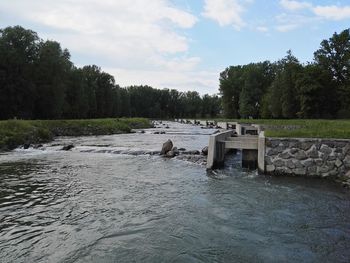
211, 152
216, 149
261, 152
239, 129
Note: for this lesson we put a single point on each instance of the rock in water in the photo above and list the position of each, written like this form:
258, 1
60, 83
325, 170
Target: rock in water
176, 151
170, 154
26, 146
167, 146
205, 151
68, 147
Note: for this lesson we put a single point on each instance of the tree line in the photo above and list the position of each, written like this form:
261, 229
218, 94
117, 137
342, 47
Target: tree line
289, 89
39, 81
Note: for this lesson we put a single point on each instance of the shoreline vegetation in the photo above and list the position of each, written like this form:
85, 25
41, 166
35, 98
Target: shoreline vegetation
14, 133
300, 128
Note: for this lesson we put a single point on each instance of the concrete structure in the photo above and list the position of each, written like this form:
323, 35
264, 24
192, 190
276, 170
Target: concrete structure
231, 125
253, 149
222, 125
261, 151
216, 149
329, 158
309, 157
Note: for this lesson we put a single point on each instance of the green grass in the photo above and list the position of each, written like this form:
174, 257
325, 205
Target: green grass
17, 132
336, 129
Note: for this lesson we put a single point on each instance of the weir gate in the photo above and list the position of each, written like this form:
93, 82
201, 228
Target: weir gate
234, 136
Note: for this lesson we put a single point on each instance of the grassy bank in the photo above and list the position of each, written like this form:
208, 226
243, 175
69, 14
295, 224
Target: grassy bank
338, 129
18, 132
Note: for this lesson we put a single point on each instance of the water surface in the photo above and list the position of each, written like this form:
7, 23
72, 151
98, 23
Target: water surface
101, 202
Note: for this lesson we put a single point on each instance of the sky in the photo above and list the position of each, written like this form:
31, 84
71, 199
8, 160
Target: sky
180, 44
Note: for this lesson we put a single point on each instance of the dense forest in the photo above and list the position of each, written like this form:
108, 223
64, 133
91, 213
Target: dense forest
288, 89
39, 81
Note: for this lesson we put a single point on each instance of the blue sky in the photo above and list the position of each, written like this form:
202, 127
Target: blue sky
182, 44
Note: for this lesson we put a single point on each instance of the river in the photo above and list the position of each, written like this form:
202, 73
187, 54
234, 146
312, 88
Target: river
105, 201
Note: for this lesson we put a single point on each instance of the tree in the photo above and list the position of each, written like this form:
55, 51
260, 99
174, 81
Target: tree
334, 56
256, 81
315, 99
76, 105
18, 54
231, 84
282, 96
52, 71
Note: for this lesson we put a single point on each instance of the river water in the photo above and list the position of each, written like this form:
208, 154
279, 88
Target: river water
105, 201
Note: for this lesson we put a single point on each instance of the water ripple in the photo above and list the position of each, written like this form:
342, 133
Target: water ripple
76, 206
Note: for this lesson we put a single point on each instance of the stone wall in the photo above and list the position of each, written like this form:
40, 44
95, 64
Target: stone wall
309, 157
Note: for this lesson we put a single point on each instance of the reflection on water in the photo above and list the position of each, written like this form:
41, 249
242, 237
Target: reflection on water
80, 206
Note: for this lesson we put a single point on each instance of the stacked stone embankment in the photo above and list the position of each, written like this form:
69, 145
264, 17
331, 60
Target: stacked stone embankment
327, 158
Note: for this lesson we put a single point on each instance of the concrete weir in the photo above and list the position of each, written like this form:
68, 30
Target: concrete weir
310, 157
252, 146
234, 136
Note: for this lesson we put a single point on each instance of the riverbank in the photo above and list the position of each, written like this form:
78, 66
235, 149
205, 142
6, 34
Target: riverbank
14, 133
293, 148
337, 129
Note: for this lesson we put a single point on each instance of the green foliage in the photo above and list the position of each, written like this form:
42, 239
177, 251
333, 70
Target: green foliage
18, 53
17, 132
339, 129
286, 89
38, 81
301, 128
231, 84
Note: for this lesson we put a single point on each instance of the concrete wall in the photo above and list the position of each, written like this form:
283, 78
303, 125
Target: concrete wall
308, 157
216, 149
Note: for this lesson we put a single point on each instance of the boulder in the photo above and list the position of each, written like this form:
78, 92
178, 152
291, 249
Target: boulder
167, 146
175, 150
170, 154
205, 151
26, 146
67, 147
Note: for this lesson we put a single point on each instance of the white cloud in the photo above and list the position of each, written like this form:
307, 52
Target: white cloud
294, 5
262, 29
332, 12
201, 81
135, 37
287, 22
286, 27
225, 12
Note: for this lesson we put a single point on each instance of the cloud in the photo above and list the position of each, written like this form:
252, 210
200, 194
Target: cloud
286, 27
287, 22
262, 29
225, 12
136, 37
201, 81
332, 12
294, 5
